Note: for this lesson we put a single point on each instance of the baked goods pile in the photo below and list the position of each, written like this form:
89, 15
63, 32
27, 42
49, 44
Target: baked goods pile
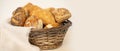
33, 16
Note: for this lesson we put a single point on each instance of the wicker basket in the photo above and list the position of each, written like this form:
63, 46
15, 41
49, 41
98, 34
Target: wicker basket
52, 38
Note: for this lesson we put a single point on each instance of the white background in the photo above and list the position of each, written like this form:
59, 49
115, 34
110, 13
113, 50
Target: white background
96, 25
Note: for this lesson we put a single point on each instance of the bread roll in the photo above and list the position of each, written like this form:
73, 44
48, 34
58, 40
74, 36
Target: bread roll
19, 17
61, 14
34, 22
30, 8
45, 15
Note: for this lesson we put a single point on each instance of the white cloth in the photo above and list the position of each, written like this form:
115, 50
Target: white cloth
14, 38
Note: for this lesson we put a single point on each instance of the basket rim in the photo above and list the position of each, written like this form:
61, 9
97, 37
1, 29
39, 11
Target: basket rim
65, 24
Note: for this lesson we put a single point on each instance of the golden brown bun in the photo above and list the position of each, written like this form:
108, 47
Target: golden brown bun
34, 22
30, 8
61, 14
19, 17
45, 15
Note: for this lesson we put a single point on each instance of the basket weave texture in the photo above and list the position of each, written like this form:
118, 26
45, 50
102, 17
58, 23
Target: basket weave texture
52, 38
